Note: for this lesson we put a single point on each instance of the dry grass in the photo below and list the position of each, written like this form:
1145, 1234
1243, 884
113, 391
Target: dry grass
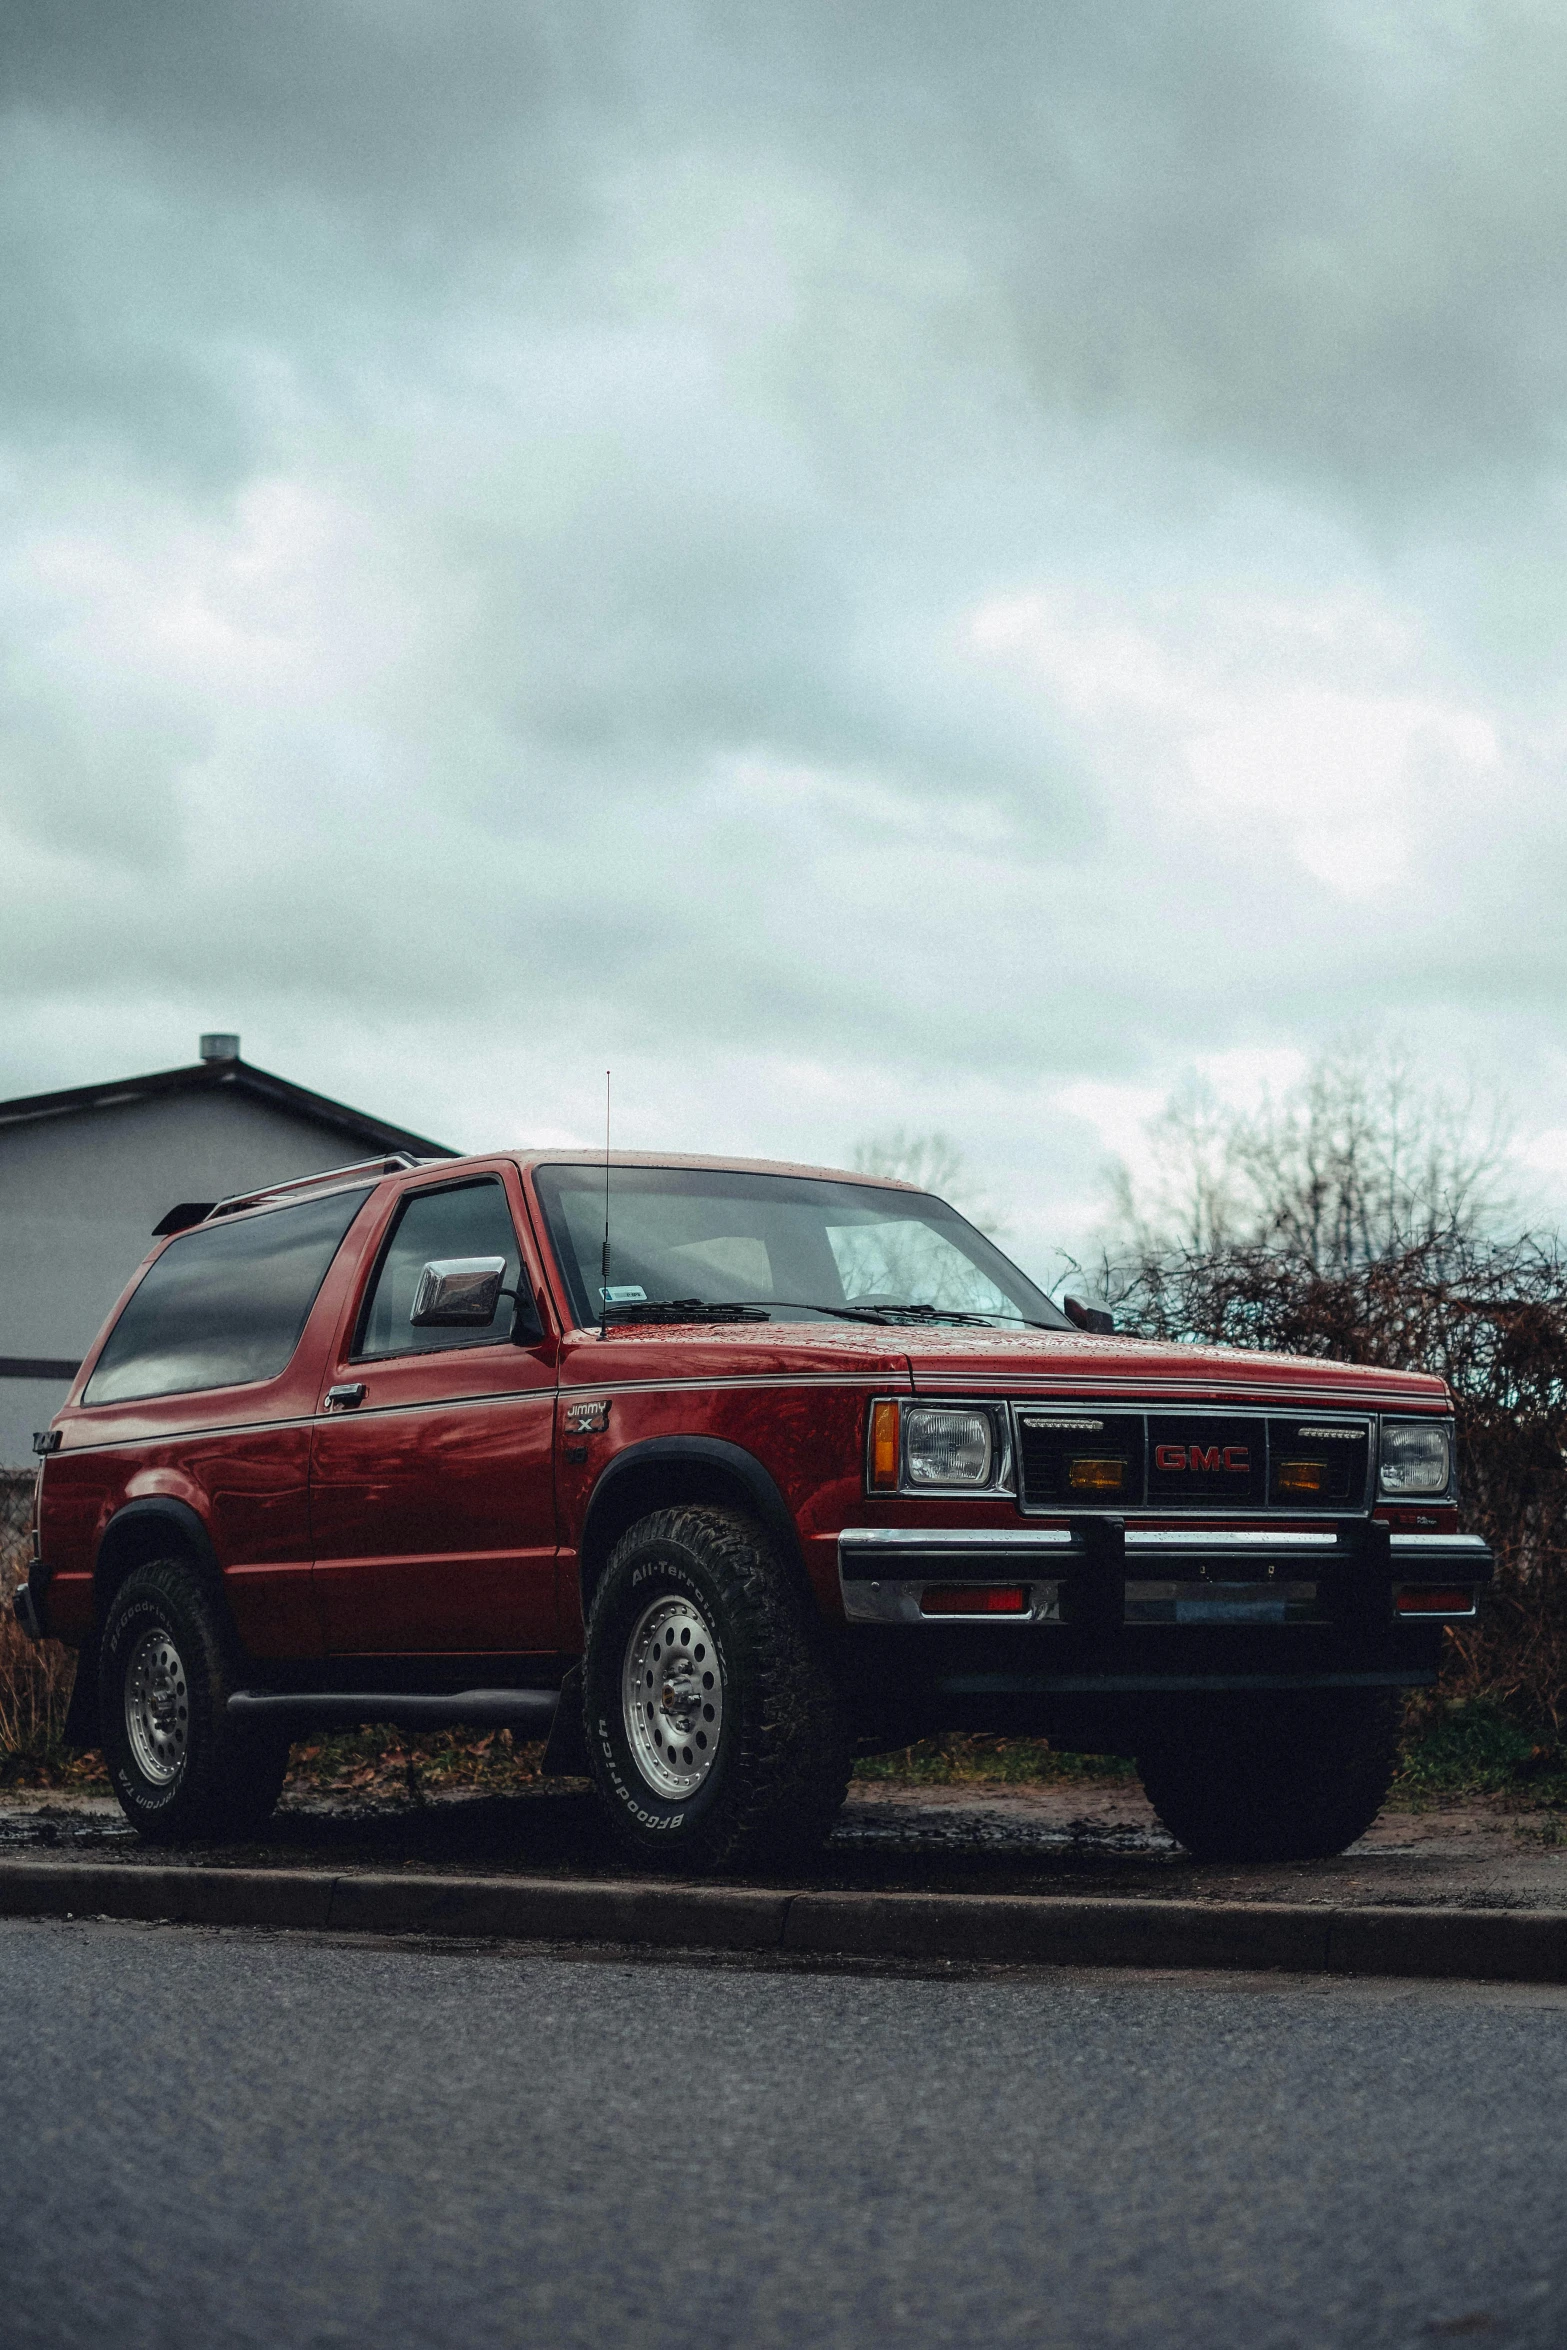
35, 1689
962, 1759
16, 1517
375, 1764
35, 1681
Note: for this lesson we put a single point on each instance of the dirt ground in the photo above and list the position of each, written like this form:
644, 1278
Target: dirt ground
1080, 1837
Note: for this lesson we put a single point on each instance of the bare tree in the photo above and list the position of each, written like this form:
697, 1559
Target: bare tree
934, 1162
1357, 1160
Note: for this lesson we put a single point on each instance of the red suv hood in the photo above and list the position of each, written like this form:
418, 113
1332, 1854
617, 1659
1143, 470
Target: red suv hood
955, 1361
1048, 1361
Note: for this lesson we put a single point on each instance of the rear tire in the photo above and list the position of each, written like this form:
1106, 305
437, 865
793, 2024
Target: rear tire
1284, 1777
714, 1732
180, 1768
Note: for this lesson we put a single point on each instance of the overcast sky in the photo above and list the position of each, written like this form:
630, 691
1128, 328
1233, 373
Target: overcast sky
866, 564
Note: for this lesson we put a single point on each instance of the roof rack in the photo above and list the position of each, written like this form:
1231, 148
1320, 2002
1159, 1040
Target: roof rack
395, 1163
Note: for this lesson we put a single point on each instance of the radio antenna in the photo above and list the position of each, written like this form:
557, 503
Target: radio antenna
604, 1265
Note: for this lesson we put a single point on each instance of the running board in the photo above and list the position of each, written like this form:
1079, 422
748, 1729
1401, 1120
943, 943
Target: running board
350, 1709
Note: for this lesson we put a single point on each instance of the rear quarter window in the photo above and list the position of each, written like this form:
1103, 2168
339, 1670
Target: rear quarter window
224, 1305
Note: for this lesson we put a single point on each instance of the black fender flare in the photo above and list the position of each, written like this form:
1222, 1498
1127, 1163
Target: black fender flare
126, 1536
157, 1525
727, 1472
152, 1526
139, 1531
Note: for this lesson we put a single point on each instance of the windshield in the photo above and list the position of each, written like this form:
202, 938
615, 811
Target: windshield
783, 1247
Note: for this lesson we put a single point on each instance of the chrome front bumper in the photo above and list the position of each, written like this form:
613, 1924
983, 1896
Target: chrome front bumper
1097, 1571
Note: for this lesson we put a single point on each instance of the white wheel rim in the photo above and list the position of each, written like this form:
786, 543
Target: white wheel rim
157, 1708
672, 1697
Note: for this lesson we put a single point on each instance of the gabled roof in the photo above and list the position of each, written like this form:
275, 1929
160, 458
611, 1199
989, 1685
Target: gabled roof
257, 1085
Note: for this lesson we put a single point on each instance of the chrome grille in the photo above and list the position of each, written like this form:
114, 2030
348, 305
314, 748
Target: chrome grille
1074, 1457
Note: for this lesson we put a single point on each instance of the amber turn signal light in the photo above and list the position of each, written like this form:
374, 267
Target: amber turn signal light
884, 1447
1090, 1476
1426, 1599
1298, 1477
978, 1599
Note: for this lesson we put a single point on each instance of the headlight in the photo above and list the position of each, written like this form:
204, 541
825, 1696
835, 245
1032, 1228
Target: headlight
1416, 1458
947, 1447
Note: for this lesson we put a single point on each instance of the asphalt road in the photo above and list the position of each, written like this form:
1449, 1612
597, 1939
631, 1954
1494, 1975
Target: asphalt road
225, 2138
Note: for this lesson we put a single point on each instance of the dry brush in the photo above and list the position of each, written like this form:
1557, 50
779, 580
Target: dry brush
1491, 1318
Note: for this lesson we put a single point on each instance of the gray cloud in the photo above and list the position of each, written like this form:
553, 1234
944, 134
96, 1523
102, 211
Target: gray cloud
869, 558
1322, 239
394, 115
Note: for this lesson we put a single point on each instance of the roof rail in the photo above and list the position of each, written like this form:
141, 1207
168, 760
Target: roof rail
395, 1163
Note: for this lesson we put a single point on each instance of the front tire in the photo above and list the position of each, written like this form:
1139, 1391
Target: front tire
180, 1768
1284, 1777
714, 1733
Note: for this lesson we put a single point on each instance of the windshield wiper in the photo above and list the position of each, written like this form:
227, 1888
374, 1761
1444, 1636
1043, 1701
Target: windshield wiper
857, 1313
684, 1309
921, 1313
912, 1313
696, 1309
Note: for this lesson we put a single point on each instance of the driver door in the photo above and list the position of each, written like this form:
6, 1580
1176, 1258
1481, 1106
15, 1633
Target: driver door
432, 1503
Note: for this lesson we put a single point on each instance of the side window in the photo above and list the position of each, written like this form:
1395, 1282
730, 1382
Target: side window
225, 1303
467, 1220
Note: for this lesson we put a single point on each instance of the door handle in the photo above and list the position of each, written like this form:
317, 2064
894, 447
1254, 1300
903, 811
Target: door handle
344, 1399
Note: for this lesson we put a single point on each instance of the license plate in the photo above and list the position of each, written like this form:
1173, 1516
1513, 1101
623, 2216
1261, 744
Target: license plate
1218, 1607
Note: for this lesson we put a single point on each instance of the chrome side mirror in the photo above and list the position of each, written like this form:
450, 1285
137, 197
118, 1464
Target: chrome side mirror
458, 1293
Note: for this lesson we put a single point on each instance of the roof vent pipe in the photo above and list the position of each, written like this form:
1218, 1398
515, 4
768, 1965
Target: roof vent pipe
220, 1048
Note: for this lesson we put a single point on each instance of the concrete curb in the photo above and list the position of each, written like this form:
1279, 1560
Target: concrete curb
1500, 1945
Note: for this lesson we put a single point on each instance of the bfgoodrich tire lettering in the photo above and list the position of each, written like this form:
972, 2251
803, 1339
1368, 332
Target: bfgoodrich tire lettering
179, 1767
1286, 1777
773, 1773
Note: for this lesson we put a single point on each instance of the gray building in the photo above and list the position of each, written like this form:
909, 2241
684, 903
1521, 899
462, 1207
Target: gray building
86, 1174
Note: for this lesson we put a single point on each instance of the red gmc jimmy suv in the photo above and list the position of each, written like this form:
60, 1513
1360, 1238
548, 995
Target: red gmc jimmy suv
720, 1472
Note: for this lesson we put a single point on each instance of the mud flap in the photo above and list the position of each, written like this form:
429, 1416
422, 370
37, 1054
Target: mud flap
82, 1726
566, 1755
